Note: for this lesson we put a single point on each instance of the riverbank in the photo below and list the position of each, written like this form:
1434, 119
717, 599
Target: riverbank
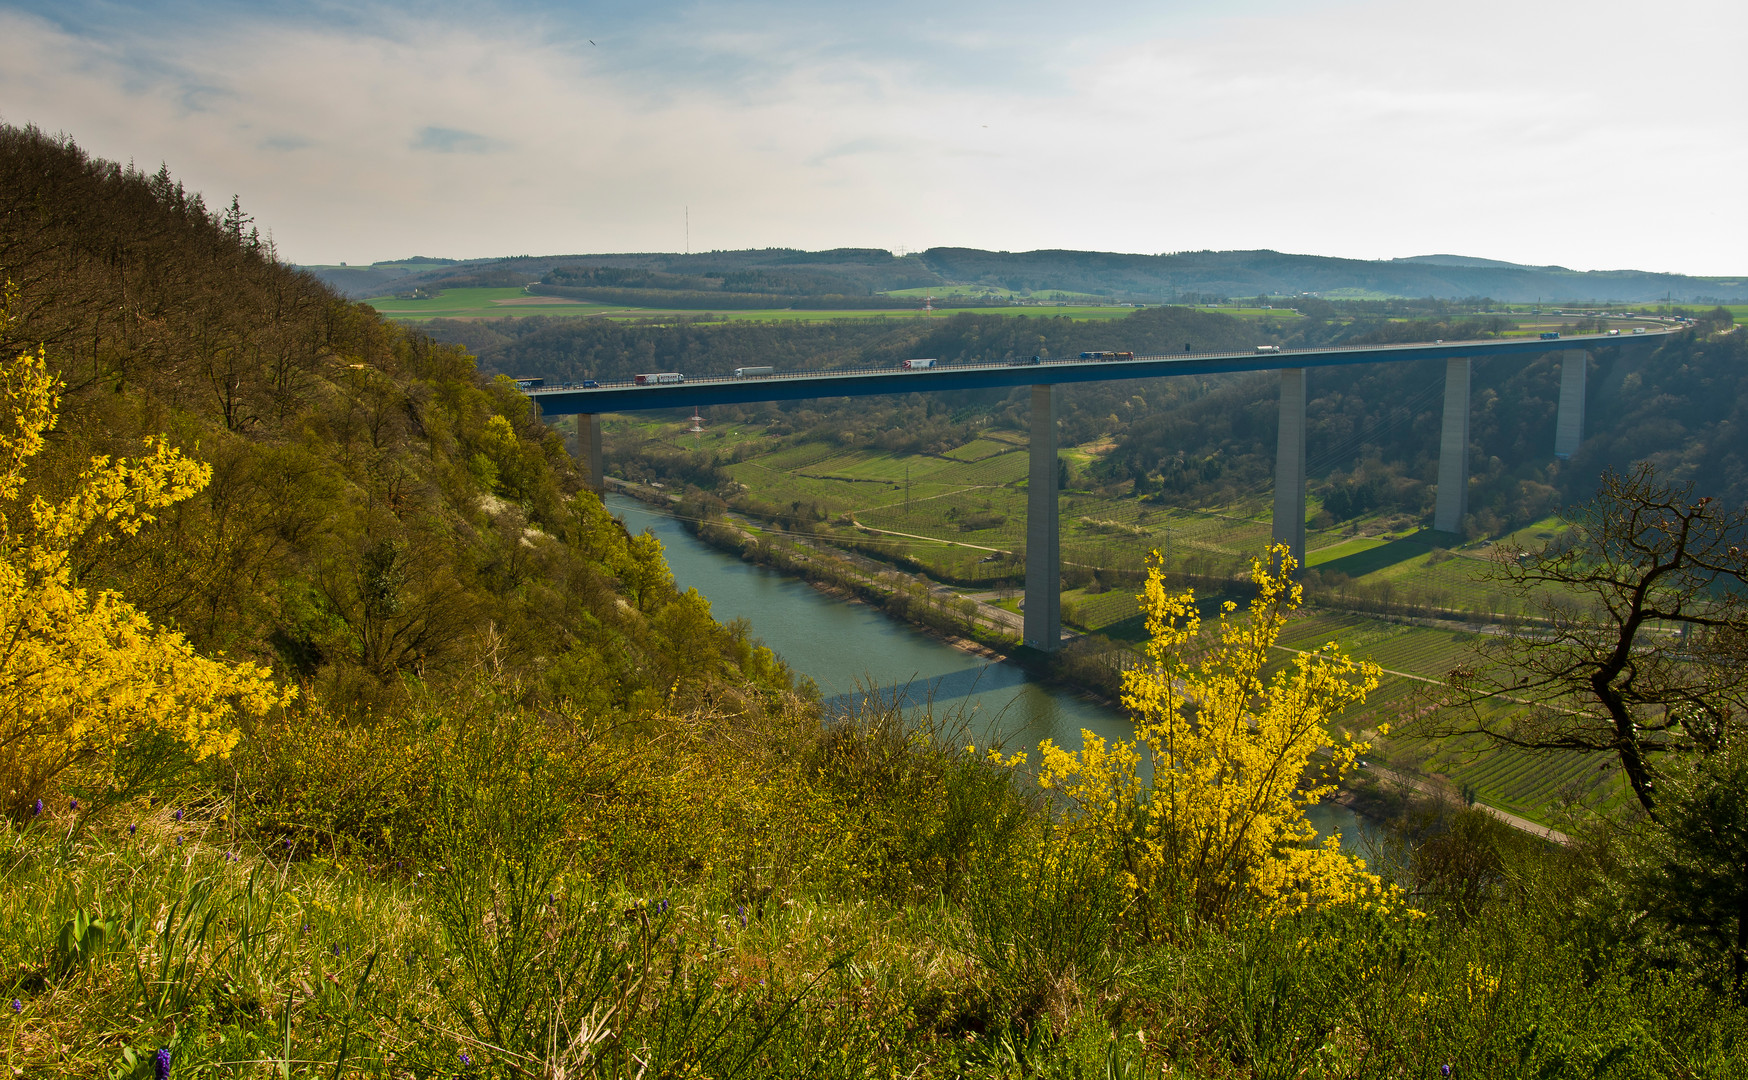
963, 623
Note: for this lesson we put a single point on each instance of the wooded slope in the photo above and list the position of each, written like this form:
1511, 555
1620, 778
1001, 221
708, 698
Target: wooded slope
381, 515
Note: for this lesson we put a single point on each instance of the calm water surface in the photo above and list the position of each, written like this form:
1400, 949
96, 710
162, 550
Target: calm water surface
850, 649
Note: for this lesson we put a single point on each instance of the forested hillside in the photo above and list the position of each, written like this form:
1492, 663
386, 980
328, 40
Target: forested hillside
1273, 273
571, 349
379, 512
852, 272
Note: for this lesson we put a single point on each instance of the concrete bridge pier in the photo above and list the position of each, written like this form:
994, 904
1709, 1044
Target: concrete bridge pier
589, 450
1289, 515
1043, 620
1569, 421
1453, 449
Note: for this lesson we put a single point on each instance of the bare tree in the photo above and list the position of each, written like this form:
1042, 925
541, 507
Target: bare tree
1640, 650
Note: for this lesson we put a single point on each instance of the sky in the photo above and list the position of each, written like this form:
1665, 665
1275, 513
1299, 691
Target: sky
1594, 135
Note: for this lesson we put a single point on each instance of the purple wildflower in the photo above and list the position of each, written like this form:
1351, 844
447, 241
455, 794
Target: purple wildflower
131, 829
743, 916
1444, 1070
178, 841
161, 1064
17, 1005
37, 809
72, 804
465, 1060
178, 814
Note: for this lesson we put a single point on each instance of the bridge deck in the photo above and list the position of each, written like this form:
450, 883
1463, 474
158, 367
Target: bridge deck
700, 390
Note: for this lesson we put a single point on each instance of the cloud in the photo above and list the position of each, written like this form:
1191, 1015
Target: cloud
1356, 127
442, 140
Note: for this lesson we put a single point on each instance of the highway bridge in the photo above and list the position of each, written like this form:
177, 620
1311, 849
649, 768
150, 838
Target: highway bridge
1043, 616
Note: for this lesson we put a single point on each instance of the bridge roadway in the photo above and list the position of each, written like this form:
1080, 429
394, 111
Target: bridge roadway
1043, 623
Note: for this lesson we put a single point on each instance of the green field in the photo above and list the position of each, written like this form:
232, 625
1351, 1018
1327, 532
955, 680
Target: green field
971, 500
481, 304
513, 302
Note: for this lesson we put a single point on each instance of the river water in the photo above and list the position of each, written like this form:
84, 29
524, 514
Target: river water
851, 649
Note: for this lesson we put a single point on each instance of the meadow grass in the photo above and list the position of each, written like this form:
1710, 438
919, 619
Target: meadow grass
766, 897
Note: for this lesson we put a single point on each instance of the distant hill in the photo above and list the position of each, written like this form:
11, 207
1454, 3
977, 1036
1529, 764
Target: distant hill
851, 272
1254, 273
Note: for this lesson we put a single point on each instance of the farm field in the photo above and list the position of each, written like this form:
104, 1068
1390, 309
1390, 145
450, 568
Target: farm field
1283, 313
948, 292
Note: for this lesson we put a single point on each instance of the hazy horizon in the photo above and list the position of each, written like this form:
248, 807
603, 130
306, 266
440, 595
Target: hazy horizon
1584, 136
1479, 259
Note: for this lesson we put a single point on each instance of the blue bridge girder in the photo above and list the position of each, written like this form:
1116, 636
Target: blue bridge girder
702, 390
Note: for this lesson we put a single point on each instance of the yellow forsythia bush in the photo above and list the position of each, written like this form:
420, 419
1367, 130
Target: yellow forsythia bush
82, 673
1205, 808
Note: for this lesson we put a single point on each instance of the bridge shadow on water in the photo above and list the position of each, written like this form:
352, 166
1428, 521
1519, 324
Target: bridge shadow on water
943, 694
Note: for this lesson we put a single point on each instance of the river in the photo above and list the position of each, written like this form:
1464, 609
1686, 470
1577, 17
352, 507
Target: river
850, 649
